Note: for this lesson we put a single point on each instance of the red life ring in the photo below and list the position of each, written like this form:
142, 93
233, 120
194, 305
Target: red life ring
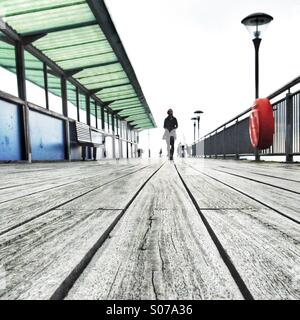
261, 124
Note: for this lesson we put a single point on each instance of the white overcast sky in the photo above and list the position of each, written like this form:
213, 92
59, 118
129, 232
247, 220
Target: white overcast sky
196, 54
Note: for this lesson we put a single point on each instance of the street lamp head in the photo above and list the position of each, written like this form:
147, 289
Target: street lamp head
256, 23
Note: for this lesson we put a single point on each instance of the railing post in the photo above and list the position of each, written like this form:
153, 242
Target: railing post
215, 144
289, 128
224, 147
257, 155
210, 147
237, 155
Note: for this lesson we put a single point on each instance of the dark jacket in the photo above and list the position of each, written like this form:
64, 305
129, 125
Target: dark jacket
170, 123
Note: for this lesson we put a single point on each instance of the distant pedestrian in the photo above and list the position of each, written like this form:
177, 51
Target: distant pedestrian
182, 151
160, 153
170, 126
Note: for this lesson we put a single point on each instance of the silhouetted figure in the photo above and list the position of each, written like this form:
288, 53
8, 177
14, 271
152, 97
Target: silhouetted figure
160, 153
182, 151
170, 126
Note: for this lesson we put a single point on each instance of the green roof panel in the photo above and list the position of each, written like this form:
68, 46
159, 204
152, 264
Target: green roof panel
76, 38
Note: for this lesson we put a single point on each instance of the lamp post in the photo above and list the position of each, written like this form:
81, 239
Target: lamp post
256, 23
194, 119
198, 112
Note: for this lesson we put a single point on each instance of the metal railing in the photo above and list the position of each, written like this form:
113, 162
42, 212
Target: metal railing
232, 138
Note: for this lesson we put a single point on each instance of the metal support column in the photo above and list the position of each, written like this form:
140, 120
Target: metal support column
289, 128
77, 104
114, 136
127, 143
103, 128
46, 85
66, 122
21, 79
88, 110
88, 121
96, 114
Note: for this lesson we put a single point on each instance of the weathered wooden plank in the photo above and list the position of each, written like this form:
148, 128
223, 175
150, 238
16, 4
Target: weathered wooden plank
159, 250
39, 256
44, 184
279, 179
264, 246
115, 195
213, 195
280, 170
283, 201
16, 212
57, 173
287, 185
267, 257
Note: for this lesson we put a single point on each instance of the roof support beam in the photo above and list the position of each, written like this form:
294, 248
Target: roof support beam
95, 91
99, 65
6, 40
63, 28
116, 86
125, 108
141, 122
26, 40
127, 104
117, 111
108, 103
131, 98
71, 72
140, 118
131, 115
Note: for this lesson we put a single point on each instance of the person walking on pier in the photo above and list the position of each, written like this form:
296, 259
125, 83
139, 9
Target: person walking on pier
170, 126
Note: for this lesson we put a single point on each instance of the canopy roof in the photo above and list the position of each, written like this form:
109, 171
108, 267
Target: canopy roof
80, 38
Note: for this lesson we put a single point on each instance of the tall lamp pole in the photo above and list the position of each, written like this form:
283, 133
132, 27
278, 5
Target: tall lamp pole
198, 112
194, 119
256, 23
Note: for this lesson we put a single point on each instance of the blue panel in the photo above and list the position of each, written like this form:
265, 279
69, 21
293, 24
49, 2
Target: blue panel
47, 137
10, 132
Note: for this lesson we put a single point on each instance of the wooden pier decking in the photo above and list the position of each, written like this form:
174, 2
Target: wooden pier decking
150, 229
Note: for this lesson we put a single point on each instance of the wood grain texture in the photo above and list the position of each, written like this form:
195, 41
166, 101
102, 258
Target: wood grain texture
264, 246
39, 256
278, 178
23, 184
159, 250
52, 214
16, 212
284, 201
